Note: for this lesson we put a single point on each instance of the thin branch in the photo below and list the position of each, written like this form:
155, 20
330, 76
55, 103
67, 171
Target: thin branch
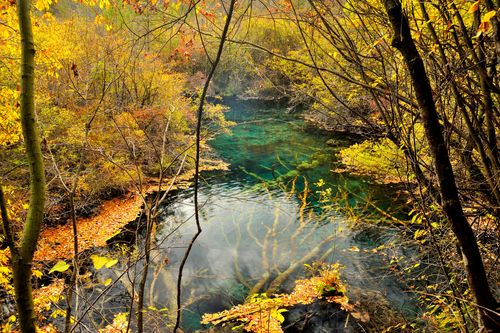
197, 161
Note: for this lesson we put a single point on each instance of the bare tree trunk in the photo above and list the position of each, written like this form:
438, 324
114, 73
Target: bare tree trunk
22, 255
451, 204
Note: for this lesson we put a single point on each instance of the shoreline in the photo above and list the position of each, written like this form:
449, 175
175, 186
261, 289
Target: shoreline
56, 243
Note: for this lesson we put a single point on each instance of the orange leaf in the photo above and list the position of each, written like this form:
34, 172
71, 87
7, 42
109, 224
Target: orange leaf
474, 7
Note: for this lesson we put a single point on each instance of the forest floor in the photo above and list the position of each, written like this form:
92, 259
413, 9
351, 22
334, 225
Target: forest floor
56, 243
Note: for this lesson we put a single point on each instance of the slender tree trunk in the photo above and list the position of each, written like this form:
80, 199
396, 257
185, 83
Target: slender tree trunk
201, 105
22, 256
145, 270
451, 204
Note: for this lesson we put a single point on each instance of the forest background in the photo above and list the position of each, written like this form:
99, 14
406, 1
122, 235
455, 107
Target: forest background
120, 86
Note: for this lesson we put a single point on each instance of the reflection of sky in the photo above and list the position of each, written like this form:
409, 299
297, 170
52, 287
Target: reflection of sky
235, 223
241, 231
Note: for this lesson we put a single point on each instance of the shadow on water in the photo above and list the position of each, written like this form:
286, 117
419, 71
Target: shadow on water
257, 223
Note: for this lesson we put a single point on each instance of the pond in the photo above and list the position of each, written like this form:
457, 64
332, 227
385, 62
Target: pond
263, 220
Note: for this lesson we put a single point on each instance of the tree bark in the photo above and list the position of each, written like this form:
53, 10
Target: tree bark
450, 201
22, 255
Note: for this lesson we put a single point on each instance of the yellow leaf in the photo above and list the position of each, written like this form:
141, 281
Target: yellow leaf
474, 7
36, 273
488, 16
104, 4
111, 263
108, 281
42, 4
98, 19
100, 261
61, 266
483, 27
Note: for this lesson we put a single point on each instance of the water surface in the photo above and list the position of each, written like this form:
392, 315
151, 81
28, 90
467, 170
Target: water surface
262, 217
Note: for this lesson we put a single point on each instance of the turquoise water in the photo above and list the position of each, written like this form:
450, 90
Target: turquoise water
262, 219
257, 221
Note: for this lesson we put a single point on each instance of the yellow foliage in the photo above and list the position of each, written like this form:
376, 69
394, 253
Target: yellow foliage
42, 4
10, 127
5, 272
100, 261
49, 328
381, 159
44, 297
262, 314
119, 325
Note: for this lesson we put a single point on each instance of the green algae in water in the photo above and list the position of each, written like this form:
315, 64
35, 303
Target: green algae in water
254, 227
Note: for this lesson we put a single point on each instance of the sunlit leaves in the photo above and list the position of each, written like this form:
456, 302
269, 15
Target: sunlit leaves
485, 25
8, 324
119, 324
45, 297
263, 314
100, 261
5, 272
61, 266
42, 4
474, 7
10, 126
488, 16
256, 314
381, 159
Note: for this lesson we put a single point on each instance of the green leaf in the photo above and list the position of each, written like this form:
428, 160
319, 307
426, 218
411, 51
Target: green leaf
61, 266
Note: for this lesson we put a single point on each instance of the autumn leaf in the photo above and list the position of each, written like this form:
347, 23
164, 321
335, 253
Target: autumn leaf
61, 266
263, 314
484, 27
42, 4
100, 262
118, 325
474, 7
362, 316
354, 249
488, 16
